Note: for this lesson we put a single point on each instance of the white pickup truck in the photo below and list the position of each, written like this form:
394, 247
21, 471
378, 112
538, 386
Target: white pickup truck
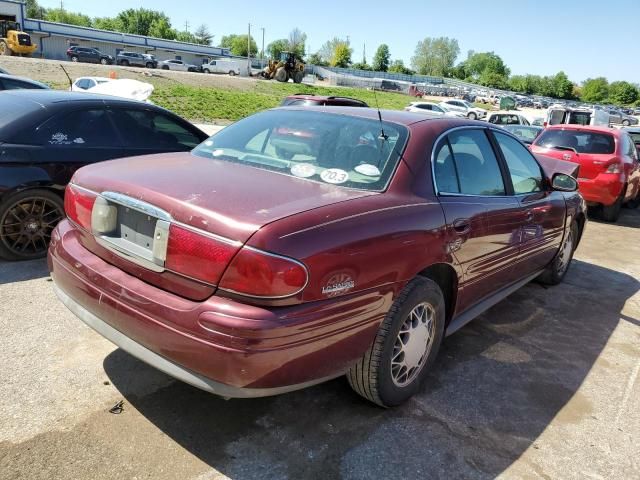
557, 115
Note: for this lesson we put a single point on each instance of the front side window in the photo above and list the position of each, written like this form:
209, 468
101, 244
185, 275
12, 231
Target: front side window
525, 172
79, 129
326, 148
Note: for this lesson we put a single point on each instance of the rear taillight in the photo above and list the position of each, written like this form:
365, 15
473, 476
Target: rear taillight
260, 274
614, 168
78, 204
198, 255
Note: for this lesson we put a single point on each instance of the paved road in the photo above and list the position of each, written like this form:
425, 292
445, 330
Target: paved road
544, 385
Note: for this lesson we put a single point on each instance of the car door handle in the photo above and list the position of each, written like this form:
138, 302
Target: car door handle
462, 225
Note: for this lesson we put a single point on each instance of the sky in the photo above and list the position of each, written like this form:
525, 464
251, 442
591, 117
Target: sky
585, 38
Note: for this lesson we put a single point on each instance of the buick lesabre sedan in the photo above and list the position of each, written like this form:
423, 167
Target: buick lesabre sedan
298, 245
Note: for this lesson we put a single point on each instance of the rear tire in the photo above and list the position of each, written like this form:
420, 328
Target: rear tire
298, 76
557, 269
149, 65
74, 58
165, 67
124, 63
232, 73
611, 213
4, 48
407, 342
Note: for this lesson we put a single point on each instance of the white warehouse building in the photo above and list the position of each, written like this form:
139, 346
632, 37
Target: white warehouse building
53, 39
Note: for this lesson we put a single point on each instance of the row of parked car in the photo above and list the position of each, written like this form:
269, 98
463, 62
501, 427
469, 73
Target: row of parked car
135, 59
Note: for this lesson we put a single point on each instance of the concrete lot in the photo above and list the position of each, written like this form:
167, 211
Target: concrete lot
544, 385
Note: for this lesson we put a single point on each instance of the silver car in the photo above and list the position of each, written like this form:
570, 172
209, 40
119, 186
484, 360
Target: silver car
178, 65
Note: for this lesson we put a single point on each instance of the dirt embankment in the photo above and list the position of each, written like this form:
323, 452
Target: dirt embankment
51, 72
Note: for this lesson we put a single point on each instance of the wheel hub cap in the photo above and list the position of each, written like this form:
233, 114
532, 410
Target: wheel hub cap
413, 344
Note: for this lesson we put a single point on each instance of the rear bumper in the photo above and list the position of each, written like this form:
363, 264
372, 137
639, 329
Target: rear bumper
219, 345
602, 190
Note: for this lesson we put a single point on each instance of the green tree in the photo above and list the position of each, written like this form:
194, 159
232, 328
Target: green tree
480, 63
361, 66
381, 58
622, 93
34, 10
238, 44
203, 35
186, 37
161, 28
397, 66
63, 16
139, 21
109, 23
435, 56
595, 89
328, 49
276, 47
493, 80
341, 55
296, 42
316, 59
562, 87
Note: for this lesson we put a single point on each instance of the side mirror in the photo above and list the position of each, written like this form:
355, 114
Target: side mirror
564, 183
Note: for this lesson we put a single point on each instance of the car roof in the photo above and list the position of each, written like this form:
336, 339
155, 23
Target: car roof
311, 96
23, 79
586, 128
92, 78
400, 117
50, 98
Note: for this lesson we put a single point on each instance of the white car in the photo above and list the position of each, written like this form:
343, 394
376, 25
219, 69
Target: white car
507, 118
434, 108
83, 84
471, 112
178, 65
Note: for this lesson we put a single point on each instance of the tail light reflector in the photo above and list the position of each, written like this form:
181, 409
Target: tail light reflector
614, 167
78, 204
198, 255
260, 274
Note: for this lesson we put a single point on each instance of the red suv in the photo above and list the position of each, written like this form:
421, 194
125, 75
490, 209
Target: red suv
609, 173
300, 244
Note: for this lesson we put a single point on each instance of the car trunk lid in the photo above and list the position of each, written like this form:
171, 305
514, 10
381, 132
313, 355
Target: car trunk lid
223, 201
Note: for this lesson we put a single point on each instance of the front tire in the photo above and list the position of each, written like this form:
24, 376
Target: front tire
104, 61
74, 59
472, 116
557, 269
149, 65
124, 63
626, 123
281, 75
232, 73
27, 219
407, 342
165, 67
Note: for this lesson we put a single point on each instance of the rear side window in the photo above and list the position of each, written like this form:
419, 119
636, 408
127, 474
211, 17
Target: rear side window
474, 164
525, 172
152, 130
11, 84
79, 129
580, 141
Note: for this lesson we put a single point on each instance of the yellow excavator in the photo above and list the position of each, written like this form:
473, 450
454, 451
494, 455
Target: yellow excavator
13, 41
288, 66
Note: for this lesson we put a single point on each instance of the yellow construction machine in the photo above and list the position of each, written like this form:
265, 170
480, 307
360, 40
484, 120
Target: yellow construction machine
288, 66
13, 41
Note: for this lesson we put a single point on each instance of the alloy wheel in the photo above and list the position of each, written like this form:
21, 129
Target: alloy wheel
26, 226
413, 344
564, 256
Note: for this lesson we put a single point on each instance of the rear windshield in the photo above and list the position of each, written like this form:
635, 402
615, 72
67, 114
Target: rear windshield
12, 108
635, 136
580, 141
328, 148
525, 133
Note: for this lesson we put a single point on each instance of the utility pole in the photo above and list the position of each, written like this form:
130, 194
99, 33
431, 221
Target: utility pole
262, 55
186, 26
249, 51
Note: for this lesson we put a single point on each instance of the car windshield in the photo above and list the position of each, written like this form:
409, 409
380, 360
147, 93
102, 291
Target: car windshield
524, 133
579, 141
327, 148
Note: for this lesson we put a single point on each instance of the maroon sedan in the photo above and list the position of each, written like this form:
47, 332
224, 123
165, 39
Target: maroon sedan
300, 244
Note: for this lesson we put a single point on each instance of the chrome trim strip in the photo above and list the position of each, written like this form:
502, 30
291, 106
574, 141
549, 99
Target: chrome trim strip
167, 366
135, 204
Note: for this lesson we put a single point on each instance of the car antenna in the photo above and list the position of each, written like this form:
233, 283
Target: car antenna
68, 77
383, 135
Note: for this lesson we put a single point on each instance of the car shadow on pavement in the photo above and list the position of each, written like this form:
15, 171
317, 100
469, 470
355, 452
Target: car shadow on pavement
496, 386
628, 218
22, 271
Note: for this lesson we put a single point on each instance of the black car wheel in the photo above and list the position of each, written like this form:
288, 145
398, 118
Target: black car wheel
104, 61
124, 63
557, 269
232, 73
165, 67
407, 342
611, 213
626, 123
26, 222
149, 65
74, 58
